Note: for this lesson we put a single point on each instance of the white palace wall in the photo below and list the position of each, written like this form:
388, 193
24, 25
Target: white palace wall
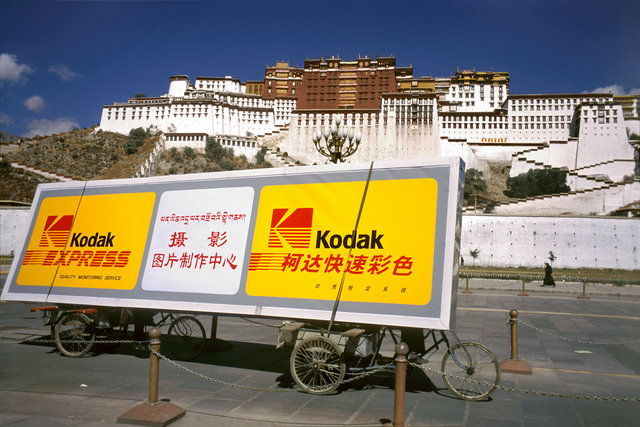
379, 141
577, 242
13, 227
502, 241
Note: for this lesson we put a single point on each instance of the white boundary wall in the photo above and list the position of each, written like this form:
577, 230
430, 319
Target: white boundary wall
13, 227
502, 241
576, 242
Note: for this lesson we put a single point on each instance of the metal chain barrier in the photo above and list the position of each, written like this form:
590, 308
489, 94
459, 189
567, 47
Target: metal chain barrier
95, 341
542, 331
525, 391
510, 276
225, 383
490, 334
354, 378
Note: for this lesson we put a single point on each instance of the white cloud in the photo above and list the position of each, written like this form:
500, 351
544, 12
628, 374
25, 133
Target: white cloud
12, 71
615, 89
63, 72
5, 119
35, 103
45, 127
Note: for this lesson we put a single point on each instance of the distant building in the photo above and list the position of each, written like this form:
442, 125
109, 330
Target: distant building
358, 84
470, 114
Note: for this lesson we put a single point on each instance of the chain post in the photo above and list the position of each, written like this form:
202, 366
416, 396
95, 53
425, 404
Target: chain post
515, 365
584, 291
154, 364
402, 349
523, 293
153, 413
466, 289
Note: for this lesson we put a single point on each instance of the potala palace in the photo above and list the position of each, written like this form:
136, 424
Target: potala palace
470, 114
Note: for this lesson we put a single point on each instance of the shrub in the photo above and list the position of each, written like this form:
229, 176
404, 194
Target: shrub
537, 182
189, 153
130, 147
214, 150
260, 155
226, 164
474, 183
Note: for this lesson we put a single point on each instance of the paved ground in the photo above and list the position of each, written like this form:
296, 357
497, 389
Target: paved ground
572, 353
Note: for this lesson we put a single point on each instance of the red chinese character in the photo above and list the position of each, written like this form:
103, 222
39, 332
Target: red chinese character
403, 266
171, 259
333, 263
215, 260
231, 261
158, 261
217, 239
312, 265
178, 239
201, 260
379, 264
185, 260
356, 265
291, 261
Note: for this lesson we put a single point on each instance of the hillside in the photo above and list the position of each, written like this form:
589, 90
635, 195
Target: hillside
88, 155
18, 185
82, 154
7, 137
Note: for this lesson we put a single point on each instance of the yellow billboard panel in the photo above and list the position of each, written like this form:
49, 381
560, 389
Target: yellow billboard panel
305, 244
94, 241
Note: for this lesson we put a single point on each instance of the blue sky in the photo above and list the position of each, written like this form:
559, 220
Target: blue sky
61, 61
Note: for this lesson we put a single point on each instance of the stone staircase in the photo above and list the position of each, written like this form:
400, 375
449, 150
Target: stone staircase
591, 201
45, 173
592, 191
278, 160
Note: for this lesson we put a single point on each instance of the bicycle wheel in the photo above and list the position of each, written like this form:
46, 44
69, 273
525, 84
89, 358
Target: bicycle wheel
472, 373
317, 365
74, 334
186, 338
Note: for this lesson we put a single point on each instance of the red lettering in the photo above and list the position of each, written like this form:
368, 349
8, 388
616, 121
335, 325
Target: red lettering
110, 259
97, 258
123, 259
61, 260
75, 256
51, 256
84, 259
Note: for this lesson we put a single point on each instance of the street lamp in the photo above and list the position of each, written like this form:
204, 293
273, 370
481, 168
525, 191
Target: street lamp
336, 142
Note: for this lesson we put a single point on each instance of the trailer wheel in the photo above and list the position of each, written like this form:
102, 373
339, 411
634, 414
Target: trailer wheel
317, 365
74, 334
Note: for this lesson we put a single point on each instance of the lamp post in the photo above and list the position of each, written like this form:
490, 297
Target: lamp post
336, 142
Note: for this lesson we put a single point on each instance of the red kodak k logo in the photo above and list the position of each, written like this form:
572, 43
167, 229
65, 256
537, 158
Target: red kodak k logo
294, 228
56, 231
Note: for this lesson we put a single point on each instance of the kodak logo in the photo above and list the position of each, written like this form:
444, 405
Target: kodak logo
95, 241
326, 240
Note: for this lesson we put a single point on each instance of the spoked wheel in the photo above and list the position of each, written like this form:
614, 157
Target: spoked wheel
186, 338
74, 334
317, 365
470, 371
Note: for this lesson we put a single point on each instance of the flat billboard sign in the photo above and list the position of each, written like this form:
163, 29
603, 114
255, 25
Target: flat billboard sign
379, 241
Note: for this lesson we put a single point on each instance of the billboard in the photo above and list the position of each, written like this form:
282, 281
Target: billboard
381, 238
